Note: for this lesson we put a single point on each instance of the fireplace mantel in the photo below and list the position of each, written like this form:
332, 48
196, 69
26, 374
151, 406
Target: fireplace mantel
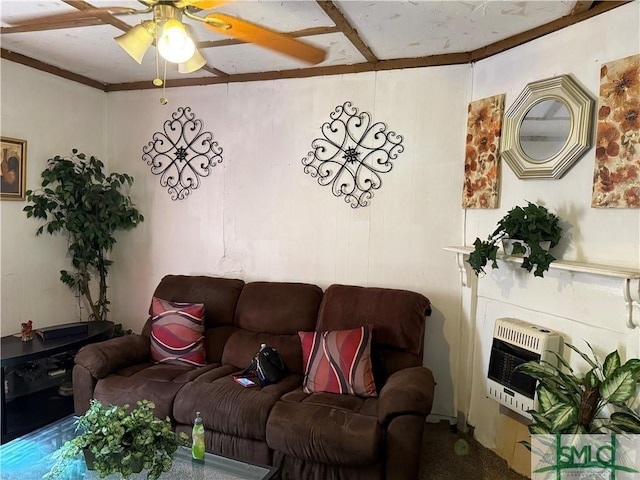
630, 277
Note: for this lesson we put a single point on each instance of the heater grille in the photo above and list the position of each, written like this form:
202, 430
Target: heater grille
525, 340
516, 342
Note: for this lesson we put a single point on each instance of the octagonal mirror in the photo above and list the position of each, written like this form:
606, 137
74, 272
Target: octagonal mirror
547, 128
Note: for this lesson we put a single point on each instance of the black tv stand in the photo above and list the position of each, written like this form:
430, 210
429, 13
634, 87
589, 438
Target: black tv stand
37, 375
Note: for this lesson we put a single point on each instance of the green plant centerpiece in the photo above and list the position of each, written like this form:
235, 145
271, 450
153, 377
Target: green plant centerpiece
530, 226
114, 440
79, 199
597, 402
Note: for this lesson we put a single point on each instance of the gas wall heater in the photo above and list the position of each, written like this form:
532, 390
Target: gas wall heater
516, 342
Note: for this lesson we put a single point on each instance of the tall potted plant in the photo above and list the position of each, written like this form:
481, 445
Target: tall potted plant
79, 199
532, 229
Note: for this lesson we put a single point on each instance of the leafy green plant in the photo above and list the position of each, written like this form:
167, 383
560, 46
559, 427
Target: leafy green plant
572, 404
119, 331
531, 225
118, 442
78, 198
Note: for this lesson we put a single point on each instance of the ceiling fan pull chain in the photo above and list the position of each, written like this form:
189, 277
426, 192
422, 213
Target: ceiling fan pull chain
157, 81
163, 99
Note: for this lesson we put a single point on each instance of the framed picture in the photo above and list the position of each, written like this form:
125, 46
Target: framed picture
13, 164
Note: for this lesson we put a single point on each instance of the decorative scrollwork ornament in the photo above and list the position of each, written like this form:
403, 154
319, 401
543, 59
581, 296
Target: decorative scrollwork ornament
353, 155
182, 153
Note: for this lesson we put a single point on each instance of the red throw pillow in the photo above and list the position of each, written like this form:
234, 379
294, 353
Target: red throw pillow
338, 362
177, 332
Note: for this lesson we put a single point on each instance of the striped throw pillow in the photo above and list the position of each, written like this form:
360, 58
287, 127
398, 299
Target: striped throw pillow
338, 362
177, 332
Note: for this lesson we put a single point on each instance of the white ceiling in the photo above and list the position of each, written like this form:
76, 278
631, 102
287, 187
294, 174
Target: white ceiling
391, 29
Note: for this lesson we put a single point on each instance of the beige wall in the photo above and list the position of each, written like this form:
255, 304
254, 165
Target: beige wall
53, 115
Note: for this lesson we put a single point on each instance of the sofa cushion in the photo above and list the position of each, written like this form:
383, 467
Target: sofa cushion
338, 362
273, 313
158, 383
177, 332
219, 295
227, 407
398, 317
278, 307
326, 428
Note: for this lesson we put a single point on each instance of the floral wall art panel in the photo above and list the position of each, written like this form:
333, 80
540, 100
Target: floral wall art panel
481, 167
616, 179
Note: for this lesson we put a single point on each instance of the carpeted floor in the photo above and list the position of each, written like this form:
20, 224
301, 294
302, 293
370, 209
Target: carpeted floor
452, 455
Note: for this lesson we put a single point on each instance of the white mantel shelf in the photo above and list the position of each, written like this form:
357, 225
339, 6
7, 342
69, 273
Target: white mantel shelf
578, 267
631, 277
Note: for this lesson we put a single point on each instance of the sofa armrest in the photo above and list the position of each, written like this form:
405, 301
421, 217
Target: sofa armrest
102, 358
407, 392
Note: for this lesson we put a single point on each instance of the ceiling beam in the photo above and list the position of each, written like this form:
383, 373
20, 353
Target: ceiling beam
215, 71
83, 22
433, 60
105, 17
45, 67
351, 33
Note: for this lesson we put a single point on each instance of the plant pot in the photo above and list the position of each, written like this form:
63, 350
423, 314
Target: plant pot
508, 243
89, 459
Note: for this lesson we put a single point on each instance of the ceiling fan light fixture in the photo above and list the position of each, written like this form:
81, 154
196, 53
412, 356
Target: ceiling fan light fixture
175, 45
196, 62
137, 40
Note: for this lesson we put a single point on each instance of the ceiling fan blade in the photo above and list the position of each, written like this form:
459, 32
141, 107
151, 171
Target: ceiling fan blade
202, 4
252, 33
77, 15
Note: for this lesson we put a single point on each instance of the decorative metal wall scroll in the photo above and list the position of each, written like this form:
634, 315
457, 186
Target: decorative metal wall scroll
182, 153
353, 155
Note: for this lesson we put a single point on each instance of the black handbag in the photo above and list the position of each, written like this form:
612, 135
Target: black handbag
268, 366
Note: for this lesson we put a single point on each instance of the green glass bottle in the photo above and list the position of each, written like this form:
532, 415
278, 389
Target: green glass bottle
197, 447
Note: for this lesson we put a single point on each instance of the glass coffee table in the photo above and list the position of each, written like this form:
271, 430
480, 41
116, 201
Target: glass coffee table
30, 457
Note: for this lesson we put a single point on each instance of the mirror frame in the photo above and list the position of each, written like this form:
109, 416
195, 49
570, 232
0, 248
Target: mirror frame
580, 105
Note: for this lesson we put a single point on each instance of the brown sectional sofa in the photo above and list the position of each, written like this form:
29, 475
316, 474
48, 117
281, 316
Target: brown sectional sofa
307, 436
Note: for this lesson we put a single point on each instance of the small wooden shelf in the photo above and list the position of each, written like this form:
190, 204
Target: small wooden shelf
630, 276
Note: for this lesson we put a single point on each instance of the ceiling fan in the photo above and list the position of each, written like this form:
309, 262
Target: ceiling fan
172, 38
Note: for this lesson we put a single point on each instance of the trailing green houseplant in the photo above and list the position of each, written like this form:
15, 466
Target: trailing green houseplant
117, 441
530, 227
79, 199
573, 404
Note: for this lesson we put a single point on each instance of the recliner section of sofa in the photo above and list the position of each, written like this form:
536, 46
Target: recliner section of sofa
350, 432
306, 435
122, 367
267, 312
